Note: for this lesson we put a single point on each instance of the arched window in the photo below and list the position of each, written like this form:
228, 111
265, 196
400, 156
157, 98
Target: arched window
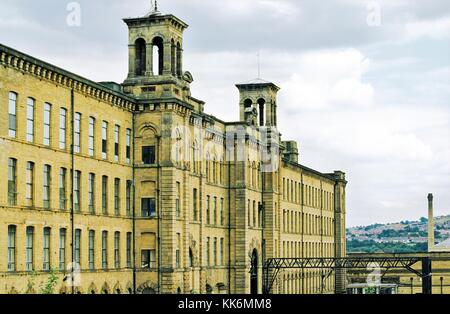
141, 56
179, 60
195, 157
248, 103
261, 104
158, 55
222, 169
207, 167
173, 58
178, 148
254, 174
191, 258
249, 173
214, 170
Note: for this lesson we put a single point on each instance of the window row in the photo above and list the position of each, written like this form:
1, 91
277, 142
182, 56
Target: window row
63, 124
61, 179
294, 249
254, 175
313, 197
309, 282
215, 212
312, 224
217, 247
43, 240
255, 214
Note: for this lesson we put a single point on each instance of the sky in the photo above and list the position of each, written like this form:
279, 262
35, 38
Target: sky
365, 85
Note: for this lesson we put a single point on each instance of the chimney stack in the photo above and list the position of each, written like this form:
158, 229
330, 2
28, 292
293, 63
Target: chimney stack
430, 223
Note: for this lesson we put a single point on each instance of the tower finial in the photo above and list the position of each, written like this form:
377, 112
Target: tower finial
259, 65
154, 8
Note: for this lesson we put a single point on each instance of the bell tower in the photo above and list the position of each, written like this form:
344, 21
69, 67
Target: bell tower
155, 52
258, 102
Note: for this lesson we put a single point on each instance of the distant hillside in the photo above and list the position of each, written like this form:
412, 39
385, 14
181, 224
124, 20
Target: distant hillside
404, 236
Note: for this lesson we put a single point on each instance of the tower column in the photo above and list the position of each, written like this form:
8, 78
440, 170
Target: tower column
167, 69
173, 59
131, 61
149, 60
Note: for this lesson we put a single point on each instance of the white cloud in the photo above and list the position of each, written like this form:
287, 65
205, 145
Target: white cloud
328, 78
438, 29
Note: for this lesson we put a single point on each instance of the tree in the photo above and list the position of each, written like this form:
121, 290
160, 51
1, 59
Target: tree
47, 287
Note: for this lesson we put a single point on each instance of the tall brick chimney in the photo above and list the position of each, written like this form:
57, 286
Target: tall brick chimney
430, 223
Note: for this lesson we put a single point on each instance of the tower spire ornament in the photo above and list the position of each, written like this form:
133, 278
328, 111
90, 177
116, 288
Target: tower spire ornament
259, 65
154, 8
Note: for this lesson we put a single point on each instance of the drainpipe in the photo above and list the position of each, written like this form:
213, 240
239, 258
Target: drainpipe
72, 156
303, 232
134, 202
159, 213
229, 225
321, 234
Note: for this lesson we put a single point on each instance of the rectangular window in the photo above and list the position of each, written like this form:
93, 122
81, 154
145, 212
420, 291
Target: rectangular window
117, 197
62, 128
222, 217
30, 249
46, 186
128, 146
91, 255
177, 201
148, 259
117, 250
91, 149
29, 191
208, 252
177, 251
47, 123
11, 248
105, 249
254, 214
215, 211
62, 249
221, 251
215, 251
148, 155
116, 142
77, 246
77, 191
12, 120
46, 252
104, 139
148, 208
105, 195
128, 196
12, 182
195, 204
30, 119
129, 243
91, 193
62, 189
77, 133
208, 216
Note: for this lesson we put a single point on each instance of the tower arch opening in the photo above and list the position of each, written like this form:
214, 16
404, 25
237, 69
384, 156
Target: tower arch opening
158, 55
262, 105
141, 56
179, 71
